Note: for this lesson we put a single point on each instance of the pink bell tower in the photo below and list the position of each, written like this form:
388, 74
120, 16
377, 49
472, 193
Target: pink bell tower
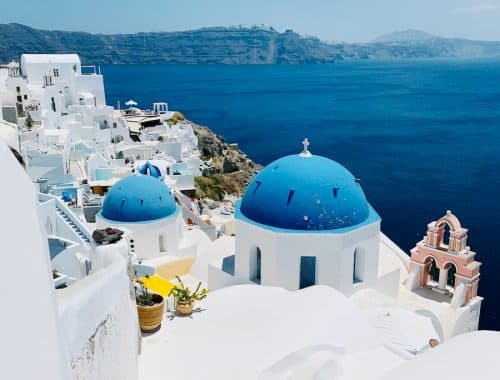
446, 266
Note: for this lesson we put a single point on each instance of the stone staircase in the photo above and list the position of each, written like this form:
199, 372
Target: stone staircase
76, 229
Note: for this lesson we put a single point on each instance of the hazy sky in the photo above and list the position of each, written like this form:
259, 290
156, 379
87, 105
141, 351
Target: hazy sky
347, 20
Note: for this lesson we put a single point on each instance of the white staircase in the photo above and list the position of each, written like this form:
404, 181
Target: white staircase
77, 229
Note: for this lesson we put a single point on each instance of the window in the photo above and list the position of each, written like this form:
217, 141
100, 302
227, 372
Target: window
53, 104
228, 265
18, 89
163, 243
358, 266
47, 80
56, 72
19, 99
255, 265
25, 97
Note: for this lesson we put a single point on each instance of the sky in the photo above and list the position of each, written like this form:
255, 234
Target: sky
330, 20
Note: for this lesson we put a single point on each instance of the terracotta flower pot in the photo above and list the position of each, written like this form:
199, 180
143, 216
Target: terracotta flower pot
184, 307
150, 317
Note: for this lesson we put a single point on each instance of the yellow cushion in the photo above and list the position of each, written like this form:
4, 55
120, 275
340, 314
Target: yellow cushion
157, 285
178, 267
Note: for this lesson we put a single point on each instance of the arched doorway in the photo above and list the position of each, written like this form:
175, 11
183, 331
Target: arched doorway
432, 271
358, 266
307, 271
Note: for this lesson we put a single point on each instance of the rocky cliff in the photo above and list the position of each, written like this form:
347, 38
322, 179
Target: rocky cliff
228, 171
203, 46
228, 45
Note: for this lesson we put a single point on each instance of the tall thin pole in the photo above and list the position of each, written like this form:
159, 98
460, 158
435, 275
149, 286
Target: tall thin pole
19, 138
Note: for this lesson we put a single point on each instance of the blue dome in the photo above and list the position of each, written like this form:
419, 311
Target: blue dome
305, 193
138, 198
149, 169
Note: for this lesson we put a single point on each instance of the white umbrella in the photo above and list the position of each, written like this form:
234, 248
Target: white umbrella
131, 103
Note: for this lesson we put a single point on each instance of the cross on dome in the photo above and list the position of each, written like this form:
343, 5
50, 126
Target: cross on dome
305, 152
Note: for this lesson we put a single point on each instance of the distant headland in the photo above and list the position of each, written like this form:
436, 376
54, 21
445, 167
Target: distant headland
233, 45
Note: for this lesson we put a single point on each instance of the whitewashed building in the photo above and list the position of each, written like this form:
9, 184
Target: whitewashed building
304, 220
146, 207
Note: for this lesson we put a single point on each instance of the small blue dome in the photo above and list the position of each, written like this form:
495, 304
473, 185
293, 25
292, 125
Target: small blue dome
300, 192
138, 198
149, 169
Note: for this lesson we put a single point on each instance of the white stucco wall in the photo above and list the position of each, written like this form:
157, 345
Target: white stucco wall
281, 254
32, 341
35, 66
71, 261
51, 166
146, 235
466, 318
173, 149
92, 84
99, 320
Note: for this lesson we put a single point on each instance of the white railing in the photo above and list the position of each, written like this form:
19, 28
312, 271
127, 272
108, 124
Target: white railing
89, 70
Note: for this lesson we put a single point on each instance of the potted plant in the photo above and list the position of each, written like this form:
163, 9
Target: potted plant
149, 308
185, 298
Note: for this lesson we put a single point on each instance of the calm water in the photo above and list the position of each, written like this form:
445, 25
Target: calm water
422, 136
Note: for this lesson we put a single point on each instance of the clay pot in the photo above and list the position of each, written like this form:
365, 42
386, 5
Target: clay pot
184, 307
150, 317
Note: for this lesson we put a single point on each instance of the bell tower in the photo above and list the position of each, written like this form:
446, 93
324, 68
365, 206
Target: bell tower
443, 262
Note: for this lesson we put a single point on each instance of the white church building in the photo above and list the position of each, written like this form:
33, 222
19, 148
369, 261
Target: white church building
304, 220
145, 206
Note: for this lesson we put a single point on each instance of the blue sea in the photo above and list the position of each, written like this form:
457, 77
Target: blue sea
423, 136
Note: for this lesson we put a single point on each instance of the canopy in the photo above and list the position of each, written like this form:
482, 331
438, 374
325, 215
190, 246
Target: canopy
131, 103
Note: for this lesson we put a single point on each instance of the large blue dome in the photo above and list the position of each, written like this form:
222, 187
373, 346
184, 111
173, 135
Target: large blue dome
138, 198
305, 192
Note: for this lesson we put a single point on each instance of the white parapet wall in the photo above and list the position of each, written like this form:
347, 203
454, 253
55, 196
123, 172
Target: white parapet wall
32, 340
99, 320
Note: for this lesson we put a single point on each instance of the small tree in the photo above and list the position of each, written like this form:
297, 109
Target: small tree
28, 122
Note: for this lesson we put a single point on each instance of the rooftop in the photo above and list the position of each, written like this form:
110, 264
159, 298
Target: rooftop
262, 323
50, 58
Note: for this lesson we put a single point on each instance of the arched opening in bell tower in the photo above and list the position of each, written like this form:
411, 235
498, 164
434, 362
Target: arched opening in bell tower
445, 237
451, 269
432, 271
